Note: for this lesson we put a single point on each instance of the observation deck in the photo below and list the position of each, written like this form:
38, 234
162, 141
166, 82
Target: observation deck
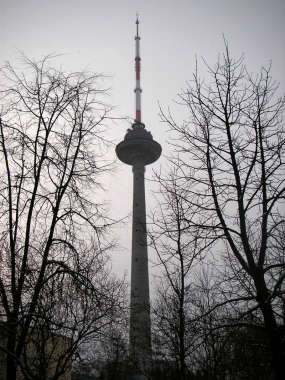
138, 146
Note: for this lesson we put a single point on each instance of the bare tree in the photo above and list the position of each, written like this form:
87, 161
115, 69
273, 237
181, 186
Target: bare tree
107, 354
52, 153
72, 313
231, 157
179, 252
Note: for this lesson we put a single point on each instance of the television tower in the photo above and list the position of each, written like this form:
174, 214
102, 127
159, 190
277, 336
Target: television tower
138, 149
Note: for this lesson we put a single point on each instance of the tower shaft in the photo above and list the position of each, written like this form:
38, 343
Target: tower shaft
140, 334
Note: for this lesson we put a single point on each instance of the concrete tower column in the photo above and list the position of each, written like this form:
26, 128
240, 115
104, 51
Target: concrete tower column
140, 335
138, 149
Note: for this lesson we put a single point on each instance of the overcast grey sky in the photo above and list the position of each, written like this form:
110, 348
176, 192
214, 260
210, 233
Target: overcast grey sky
99, 36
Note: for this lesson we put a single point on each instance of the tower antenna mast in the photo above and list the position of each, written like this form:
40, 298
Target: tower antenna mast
138, 89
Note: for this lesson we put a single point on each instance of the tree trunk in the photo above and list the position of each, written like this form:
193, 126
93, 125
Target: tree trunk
182, 347
273, 333
276, 344
11, 365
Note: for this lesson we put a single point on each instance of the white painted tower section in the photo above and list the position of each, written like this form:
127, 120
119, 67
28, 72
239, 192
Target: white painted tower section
138, 149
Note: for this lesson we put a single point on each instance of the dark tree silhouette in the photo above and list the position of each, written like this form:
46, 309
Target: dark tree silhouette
52, 222
230, 158
179, 253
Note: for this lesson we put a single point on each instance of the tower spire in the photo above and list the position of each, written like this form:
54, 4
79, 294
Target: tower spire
138, 89
137, 22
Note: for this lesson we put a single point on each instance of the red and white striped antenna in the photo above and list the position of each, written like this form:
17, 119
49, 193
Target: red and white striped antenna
138, 89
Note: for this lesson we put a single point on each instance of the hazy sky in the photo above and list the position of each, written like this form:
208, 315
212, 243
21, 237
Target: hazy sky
99, 36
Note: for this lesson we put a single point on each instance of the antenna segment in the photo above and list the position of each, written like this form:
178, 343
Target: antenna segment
138, 89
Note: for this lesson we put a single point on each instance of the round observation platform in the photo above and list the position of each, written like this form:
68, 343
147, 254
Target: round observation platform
138, 146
